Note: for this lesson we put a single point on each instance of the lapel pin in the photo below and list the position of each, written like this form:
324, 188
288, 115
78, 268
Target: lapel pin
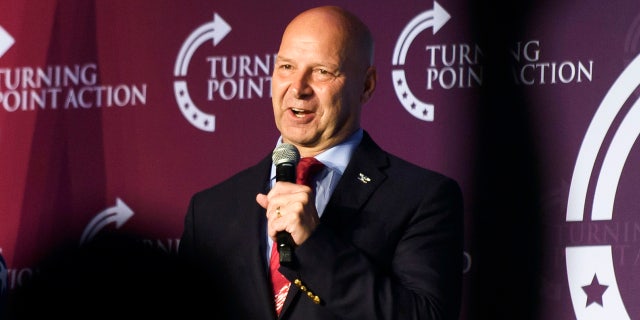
363, 178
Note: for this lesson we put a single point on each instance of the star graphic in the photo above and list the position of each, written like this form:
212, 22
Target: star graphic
594, 291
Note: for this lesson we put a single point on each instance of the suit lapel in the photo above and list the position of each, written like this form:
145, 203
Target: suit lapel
257, 276
361, 178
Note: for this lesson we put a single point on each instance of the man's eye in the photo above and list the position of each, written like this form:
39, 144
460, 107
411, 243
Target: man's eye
324, 73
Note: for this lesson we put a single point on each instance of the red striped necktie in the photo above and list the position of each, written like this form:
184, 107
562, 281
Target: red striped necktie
307, 168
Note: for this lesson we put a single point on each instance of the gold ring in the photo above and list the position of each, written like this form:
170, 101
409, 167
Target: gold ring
278, 212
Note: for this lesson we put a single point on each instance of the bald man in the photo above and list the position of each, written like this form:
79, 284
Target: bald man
374, 236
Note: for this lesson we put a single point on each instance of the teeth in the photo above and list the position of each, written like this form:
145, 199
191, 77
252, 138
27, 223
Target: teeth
298, 112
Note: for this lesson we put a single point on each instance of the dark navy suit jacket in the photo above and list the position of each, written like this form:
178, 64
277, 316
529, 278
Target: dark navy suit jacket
389, 245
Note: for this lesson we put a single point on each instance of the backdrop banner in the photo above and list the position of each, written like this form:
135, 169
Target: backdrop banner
113, 113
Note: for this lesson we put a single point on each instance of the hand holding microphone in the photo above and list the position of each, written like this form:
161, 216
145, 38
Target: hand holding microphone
297, 202
285, 157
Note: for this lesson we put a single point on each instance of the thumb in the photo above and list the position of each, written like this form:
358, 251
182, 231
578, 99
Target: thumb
262, 200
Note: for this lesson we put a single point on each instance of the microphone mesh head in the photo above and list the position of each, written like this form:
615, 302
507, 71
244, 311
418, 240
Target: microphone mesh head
285, 152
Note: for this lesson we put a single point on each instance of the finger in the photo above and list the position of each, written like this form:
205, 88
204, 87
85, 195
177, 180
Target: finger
275, 222
282, 188
278, 213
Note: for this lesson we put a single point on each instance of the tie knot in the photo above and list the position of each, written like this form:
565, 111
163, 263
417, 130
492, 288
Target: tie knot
307, 169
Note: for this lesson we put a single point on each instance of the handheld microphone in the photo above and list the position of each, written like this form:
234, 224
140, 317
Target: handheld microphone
285, 157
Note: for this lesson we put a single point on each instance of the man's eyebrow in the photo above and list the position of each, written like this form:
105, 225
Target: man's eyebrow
281, 58
334, 67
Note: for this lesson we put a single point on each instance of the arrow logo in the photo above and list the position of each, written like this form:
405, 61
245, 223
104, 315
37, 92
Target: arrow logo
435, 18
6, 41
118, 214
215, 31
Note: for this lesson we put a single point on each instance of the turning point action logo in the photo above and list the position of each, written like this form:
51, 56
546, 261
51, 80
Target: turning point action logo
55, 87
449, 66
231, 77
435, 19
590, 269
213, 31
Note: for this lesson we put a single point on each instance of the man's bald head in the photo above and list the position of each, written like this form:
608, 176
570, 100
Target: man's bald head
354, 36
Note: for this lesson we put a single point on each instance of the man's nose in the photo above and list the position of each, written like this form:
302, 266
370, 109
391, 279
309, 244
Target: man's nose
300, 85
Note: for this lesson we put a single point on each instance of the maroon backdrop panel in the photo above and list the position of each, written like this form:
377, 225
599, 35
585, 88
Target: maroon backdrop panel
113, 113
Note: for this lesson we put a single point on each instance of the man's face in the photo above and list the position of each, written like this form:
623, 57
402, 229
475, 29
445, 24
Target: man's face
316, 92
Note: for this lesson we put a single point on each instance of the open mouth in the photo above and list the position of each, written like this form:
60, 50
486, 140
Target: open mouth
298, 112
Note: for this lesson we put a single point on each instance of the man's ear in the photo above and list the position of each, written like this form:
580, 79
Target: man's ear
370, 80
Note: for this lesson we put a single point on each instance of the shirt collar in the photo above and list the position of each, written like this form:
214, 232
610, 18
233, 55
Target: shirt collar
338, 156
